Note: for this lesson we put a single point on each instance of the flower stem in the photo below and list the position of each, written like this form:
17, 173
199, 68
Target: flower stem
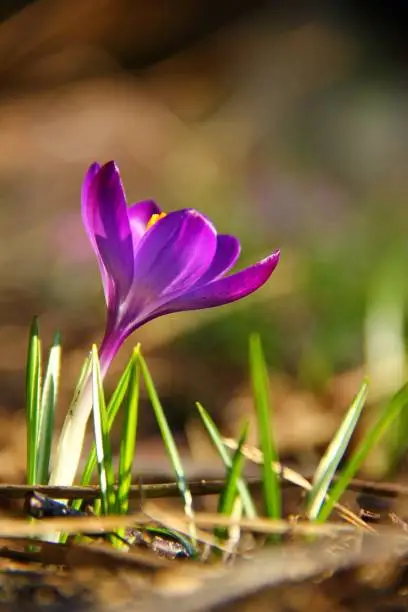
72, 435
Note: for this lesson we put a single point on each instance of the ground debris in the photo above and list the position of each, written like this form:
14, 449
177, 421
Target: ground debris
368, 575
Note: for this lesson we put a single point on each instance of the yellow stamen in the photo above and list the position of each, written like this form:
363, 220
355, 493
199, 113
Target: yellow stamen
154, 219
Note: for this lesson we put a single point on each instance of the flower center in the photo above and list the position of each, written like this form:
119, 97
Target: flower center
154, 219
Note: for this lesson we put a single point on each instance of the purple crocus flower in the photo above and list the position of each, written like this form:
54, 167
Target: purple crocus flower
151, 264
154, 263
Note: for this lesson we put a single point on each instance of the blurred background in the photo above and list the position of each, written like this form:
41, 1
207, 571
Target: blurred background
286, 123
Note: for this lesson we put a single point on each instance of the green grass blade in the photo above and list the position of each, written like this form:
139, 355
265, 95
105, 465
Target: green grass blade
260, 385
328, 465
47, 412
128, 440
33, 392
83, 377
168, 440
216, 438
388, 414
396, 442
113, 408
101, 432
230, 490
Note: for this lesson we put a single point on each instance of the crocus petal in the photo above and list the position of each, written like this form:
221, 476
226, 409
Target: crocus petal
89, 176
109, 223
88, 224
226, 255
224, 290
173, 254
139, 216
